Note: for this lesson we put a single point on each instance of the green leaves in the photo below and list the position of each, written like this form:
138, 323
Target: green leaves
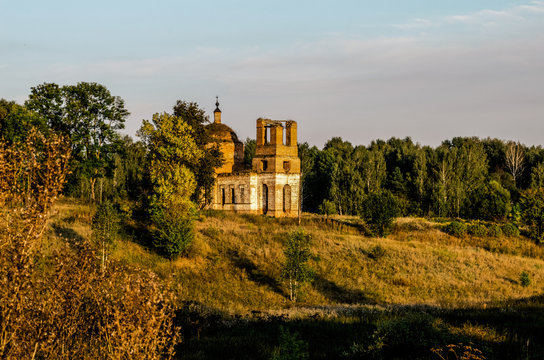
379, 209
296, 268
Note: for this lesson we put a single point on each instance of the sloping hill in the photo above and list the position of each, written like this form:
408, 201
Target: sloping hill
235, 263
394, 297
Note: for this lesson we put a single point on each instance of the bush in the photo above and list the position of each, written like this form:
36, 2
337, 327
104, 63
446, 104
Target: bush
510, 230
494, 230
376, 252
379, 210
477, 230
173, 232
456, 228
291, 347
327, 208
524, 279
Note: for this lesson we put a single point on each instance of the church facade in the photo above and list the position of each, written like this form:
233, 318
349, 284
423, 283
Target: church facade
270, 185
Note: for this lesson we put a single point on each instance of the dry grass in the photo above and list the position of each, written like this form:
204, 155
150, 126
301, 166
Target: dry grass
234, 264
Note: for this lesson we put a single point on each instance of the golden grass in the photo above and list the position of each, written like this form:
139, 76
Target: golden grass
234, 264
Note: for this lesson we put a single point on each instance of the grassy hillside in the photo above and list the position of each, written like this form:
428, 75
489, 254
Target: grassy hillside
364, 289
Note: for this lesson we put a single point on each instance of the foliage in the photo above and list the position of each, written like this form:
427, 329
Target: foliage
210, 158
532, 204
172, 152
90, 116
16, 122
490, 202
524, 279
379, 210
173, 230
59, 305
295, 268
327, 208
376, 252
494, 230
456, 228
291, 347
250, 146
479, 230
105, 228
509, 230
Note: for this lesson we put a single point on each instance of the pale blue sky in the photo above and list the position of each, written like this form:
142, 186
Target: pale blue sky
361, 70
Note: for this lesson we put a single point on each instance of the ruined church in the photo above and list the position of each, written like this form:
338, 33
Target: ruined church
270, 185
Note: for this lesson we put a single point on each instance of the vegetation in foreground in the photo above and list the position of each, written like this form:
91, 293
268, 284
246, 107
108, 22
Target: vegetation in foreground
399, 296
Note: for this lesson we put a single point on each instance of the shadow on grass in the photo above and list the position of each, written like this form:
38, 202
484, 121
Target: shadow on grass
509, 330
340, 294
254, 273
72, 236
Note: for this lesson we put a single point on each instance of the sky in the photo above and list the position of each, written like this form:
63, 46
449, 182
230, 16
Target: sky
358, 69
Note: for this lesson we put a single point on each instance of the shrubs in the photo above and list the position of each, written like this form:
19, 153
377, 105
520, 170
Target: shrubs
479, 229
494, 230
524, 279
509, 230
456, 228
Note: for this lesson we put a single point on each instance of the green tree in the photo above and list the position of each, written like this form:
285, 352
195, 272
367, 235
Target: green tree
296, 269
379, 210
250, 146
105, 227
532, 213
172, 150
490, 202
211, 158
16, 122
48, 100
91, 116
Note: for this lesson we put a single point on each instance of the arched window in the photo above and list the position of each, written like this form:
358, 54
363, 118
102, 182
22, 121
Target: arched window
286, 198
265, 199
222, 196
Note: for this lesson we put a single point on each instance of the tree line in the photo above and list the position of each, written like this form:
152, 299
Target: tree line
169, 172
453, 179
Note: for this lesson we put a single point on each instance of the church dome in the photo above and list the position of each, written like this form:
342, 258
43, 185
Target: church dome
221, 133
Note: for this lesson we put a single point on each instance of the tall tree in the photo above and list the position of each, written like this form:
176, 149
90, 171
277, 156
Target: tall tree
48, 100
204, 170
172, 152
94, 117
514, 160
91, 116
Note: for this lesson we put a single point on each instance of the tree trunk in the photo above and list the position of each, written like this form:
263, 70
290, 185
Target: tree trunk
92, 182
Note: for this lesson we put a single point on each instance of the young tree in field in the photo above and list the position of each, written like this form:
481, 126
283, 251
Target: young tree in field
204, 169
379, 210
172, 152
296, 268
532, 213
105, 228
514, 159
